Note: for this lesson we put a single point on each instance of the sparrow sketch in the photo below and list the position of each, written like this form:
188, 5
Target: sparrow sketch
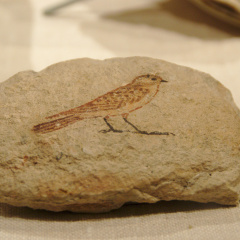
118, 102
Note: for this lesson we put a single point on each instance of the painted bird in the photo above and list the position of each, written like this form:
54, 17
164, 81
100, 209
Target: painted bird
120, 101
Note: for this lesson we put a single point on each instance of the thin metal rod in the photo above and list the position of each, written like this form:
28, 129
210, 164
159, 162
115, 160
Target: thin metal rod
51, 10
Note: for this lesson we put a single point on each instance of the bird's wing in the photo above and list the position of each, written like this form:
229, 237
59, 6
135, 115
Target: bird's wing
110, 101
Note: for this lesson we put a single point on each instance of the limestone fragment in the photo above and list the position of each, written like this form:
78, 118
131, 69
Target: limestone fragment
89, 136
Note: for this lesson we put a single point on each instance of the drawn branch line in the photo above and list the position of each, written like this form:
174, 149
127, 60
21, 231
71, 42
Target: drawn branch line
119, 102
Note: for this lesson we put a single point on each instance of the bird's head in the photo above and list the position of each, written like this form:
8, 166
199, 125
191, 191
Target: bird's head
148, 79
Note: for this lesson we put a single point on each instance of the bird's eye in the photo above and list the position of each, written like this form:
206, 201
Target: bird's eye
154, 79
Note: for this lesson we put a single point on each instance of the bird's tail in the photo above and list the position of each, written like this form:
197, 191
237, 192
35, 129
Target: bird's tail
56, 124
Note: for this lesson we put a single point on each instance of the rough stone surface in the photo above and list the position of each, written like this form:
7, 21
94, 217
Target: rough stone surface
83, 168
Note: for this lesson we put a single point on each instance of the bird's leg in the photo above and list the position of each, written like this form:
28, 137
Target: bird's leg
111, 129
139, 131
145, 132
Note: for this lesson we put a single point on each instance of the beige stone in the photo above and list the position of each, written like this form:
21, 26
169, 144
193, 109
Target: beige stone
84, 167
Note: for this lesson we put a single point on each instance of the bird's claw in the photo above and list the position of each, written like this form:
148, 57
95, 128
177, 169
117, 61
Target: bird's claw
105, 131
162, 133
155, 133
111, 130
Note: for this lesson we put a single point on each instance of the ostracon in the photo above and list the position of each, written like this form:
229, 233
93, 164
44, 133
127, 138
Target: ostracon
89, 136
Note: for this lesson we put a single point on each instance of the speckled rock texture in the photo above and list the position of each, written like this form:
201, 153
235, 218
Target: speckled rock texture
86, 167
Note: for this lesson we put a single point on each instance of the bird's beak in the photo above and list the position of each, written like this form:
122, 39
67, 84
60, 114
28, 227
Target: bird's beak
164, 80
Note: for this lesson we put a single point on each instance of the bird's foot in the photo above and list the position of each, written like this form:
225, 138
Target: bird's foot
161, 133
111, 130
155, 133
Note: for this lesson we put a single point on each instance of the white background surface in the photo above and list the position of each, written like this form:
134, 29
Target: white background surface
171, 30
